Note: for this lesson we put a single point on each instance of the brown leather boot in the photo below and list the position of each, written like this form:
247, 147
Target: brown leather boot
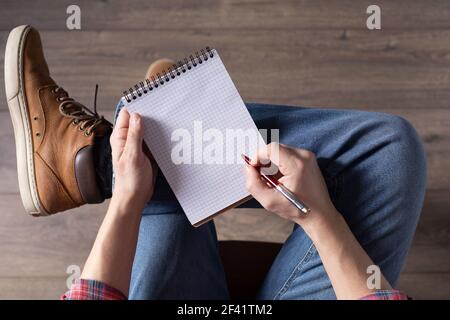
54, 134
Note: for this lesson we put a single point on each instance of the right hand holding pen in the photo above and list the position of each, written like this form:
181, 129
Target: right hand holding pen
301, 175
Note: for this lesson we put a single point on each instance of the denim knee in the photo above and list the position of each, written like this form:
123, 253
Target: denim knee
394, 171
407, 146
403, 156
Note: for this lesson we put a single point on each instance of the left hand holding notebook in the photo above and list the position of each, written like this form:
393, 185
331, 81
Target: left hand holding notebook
301, 175
132, 168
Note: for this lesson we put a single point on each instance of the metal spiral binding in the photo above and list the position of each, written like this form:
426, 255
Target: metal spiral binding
176, 70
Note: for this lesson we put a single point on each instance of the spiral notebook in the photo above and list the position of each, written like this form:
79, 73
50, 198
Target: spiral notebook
197, 126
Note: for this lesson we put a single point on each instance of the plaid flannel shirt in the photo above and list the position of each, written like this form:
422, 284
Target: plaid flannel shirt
92, 290
96, 290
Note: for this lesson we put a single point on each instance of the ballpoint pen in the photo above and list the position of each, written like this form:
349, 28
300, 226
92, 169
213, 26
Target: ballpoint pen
280, 188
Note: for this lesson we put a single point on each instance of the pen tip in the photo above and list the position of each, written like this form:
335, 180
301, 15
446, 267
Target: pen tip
306, 210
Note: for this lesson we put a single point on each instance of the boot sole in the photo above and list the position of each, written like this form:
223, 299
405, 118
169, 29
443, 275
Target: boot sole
18, 110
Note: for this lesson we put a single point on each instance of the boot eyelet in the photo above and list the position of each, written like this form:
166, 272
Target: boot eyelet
75, 122
87, 134
38, 134
80, 128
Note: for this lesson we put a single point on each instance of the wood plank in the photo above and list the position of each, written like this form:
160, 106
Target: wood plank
434, 128
386, 70
427, 286
434, 223
240, 225
207, 15
32, 288
45, 246
434, 258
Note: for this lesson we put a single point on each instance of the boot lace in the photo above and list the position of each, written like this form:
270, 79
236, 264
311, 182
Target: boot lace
87, 119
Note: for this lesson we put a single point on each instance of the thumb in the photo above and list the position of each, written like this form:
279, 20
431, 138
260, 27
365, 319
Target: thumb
257, 186
135, 135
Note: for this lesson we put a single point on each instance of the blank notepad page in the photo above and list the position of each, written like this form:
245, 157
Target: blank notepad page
193, 125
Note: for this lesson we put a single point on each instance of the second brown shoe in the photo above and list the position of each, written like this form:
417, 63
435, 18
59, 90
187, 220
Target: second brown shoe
54, 134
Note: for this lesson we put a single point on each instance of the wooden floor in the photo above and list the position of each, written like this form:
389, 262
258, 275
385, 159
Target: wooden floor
312, 53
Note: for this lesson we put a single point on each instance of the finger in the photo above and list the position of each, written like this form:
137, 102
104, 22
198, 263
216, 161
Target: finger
123, 120
257, 186
277, 154
119, 134
135, 136
120, 131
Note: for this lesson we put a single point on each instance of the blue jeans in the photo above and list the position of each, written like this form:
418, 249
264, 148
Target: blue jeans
375, 170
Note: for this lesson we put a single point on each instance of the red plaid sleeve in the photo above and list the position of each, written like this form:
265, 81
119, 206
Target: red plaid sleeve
92, 290
386, 295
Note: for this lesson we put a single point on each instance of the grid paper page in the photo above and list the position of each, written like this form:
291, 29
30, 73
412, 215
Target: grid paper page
204, 95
